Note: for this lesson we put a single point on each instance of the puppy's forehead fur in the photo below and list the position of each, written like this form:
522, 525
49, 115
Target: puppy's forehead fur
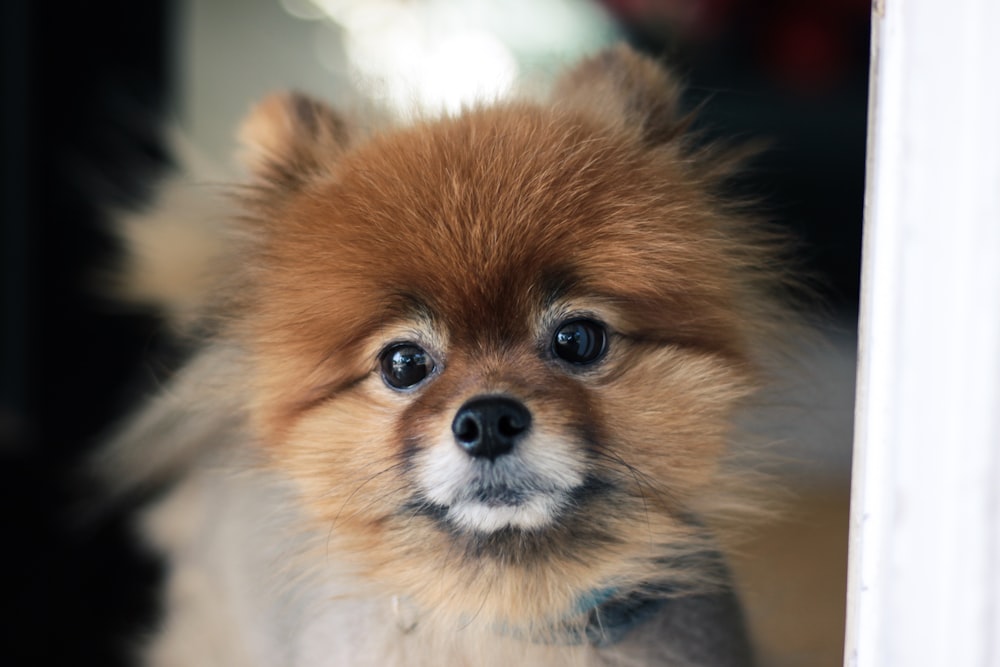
483, 219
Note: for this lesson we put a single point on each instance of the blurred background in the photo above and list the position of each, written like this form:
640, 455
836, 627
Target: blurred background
90, 93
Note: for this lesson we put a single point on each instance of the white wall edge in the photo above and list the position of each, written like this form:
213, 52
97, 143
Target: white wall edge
924, 566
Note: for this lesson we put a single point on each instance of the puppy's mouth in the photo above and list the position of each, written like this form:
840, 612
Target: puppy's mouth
509, 511
491, 506
500, 496
489, 496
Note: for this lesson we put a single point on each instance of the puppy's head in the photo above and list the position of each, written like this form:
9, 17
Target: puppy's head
499, 352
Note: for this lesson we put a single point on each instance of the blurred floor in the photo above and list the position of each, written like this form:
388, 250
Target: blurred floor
793, 573
793, 569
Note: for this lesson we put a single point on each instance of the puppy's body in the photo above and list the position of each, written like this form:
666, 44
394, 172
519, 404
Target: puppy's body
466, 394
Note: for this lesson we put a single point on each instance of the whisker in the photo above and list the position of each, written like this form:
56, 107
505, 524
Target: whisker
336, 518
642, 494
363, 484
645, 483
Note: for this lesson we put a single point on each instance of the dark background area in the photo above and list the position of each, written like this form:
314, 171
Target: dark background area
83, 86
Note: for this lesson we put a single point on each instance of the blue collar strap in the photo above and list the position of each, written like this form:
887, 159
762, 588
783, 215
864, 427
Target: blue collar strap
612, 612
612, 617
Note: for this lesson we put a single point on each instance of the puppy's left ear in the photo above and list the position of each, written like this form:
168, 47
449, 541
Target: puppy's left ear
628, 91
289, 138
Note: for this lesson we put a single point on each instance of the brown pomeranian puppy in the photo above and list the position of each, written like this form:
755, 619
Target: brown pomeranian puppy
466, 392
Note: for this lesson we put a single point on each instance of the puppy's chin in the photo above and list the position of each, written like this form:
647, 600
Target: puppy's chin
534, 513
528, 489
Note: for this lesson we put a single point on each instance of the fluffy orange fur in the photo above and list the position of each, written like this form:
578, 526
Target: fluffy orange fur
478, 222
478, 227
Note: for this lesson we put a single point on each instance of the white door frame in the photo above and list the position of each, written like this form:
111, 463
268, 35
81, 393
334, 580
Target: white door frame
924, 573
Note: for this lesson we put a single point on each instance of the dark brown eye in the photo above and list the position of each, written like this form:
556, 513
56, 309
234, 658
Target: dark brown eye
405, 365
580, 341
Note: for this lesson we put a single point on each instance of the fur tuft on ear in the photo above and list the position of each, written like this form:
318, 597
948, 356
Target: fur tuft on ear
634, 93
627, 90
288, 137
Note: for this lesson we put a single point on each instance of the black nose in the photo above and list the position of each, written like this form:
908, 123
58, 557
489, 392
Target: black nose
490, 426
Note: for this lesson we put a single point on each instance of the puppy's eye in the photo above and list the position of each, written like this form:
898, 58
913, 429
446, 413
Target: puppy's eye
405, 365
580, 341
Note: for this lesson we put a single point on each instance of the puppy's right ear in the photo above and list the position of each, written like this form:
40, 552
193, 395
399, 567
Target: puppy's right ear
626, 90
290, 138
